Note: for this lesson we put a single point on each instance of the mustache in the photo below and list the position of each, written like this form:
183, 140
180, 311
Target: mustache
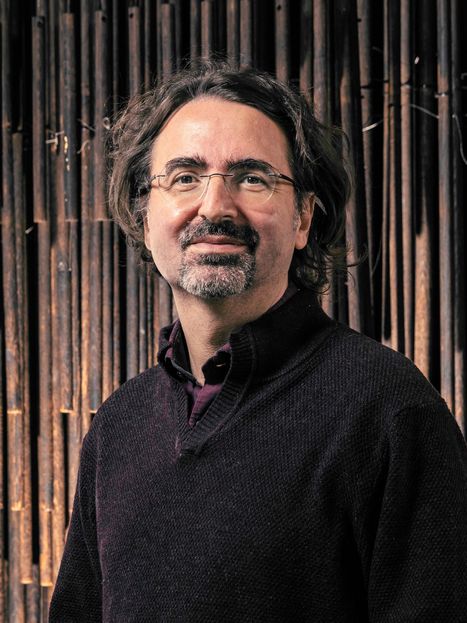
244, 233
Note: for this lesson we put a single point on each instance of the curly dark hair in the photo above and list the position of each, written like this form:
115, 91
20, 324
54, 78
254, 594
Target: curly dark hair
315, 156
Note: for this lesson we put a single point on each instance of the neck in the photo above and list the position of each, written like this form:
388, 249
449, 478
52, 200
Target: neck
208, 323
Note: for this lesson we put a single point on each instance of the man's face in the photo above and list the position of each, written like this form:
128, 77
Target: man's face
218, 244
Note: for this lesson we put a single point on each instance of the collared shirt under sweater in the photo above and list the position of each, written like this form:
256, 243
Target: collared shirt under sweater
327, 483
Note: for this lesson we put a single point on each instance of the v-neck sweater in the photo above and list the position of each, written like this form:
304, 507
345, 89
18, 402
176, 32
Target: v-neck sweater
326, 483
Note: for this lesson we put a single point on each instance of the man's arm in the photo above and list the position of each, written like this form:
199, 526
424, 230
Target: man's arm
417, 568
77, 594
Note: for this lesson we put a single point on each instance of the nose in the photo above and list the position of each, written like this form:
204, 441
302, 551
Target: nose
217, 202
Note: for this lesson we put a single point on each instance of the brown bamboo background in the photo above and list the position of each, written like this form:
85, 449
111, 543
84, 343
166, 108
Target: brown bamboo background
77, 315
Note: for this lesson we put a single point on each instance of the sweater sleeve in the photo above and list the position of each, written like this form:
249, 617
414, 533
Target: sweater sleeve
417, 569
77, 593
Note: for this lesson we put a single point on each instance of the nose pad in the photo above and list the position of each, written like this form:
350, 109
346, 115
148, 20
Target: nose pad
208, 182
211, 204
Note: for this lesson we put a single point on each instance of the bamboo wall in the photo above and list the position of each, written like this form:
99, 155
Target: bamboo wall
78, 317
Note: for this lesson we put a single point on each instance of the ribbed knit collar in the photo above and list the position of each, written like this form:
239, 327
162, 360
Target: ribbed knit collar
268, 346
262, 345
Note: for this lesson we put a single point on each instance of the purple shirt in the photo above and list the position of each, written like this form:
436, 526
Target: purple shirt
214, 370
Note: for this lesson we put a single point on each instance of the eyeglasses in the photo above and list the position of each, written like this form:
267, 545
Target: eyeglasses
250, 186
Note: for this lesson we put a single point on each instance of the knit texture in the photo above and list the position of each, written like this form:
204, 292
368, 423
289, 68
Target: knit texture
327, 482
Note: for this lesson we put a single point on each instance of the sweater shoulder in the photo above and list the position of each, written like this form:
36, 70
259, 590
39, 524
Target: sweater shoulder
131, 400
365, 371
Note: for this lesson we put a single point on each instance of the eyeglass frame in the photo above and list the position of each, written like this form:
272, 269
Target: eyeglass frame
147, 187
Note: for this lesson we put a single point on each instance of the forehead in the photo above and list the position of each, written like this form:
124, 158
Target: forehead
219, 131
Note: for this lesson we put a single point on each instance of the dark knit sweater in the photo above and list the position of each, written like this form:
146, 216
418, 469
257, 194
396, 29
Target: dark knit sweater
327, 482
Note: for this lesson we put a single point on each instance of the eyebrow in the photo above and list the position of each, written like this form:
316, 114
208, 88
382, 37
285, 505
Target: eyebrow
249, 163
197, 162
185, 161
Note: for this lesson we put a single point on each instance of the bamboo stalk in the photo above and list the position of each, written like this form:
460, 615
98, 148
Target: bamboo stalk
73, 416
25, 571
282, 23
458, 168
425, 244
167, 39
13, 341
68, 114
246, 33
33, 612
148, 53
394, 165
195, 30
86, 158
446, 312
95, 321
101, 119
406, 177
306, 49
365, 10
38, 117
177, 16
45, 447
207, 28
356, 235
233, 31
322, 103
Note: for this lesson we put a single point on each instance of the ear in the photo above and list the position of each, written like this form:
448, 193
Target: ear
304, 221
147, 239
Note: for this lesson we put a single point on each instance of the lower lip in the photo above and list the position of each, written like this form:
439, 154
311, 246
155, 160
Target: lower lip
207, 247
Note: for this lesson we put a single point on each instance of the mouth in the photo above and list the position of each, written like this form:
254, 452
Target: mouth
217, 244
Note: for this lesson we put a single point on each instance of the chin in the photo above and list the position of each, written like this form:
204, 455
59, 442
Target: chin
216, 281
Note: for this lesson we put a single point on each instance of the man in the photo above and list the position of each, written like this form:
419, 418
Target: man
275, 465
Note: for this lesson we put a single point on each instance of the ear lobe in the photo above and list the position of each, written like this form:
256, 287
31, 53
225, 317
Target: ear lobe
304, 222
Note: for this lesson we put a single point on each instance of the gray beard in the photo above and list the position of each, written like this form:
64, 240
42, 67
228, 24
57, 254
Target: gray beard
215, 276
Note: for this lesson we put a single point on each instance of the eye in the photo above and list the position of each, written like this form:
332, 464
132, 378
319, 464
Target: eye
181, 181
253, 180
185, 179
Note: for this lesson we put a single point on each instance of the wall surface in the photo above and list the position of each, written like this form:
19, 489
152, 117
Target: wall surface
77, 315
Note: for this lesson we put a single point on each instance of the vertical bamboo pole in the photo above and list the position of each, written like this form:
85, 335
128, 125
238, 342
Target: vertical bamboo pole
282, 38
458, 172
85, 210
60, 289
207, 28
99, 214
195, 30
15, 433
306, 49
356, 236
168, 39
246, 33
406, 176
426, 243
365, 22
26, 574
71, 364
322, 100
446, 312
44, 335
394, 190
233, 31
